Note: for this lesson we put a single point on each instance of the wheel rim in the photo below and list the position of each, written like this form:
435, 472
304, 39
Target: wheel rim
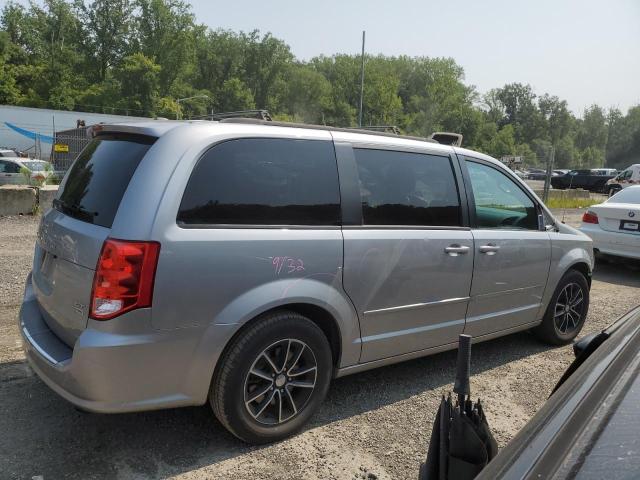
280, 381
569, 309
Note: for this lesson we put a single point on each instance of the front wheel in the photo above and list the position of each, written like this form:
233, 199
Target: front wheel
272, 378
567, 310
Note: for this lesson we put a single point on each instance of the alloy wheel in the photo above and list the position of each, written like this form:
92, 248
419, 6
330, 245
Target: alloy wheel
569, 309
280, 381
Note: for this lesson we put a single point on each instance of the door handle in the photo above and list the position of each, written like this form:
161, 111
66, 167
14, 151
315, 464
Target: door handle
489, 249
455, 250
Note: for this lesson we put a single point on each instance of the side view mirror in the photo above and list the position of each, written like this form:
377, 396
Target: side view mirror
589, 343
582, 349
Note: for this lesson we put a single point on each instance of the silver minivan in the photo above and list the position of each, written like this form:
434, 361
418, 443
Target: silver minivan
247, 263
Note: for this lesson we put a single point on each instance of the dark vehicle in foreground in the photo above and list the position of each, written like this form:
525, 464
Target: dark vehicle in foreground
588, 428
587, 179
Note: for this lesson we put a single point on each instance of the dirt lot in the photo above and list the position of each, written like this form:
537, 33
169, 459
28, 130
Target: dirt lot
372, 425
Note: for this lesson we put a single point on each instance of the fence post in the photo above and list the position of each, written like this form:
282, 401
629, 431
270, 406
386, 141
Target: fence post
547, 178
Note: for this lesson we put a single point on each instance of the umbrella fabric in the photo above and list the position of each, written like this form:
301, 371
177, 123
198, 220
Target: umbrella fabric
435, 467
461, 443
471, 444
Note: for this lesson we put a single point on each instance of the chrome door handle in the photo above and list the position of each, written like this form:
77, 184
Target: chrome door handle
455, 250
489, 249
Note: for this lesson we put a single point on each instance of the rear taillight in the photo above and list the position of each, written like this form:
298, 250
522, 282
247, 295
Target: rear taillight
124, 278
589, 217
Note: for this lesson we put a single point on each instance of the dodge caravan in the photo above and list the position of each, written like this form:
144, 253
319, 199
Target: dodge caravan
246, 263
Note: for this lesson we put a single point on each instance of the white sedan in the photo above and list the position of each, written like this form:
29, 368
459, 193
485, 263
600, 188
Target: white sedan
20, 171
614, 226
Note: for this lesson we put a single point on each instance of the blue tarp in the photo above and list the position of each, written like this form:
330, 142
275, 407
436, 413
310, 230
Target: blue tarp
28, 134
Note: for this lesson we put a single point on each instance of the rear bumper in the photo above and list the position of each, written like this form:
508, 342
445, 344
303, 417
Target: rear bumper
613, 243
109, 372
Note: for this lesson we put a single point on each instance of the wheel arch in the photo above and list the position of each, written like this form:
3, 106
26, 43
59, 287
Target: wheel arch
583, 268
318, 315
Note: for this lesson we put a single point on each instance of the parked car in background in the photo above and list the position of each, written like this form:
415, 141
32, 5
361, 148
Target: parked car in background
5, 152
20, 171
588, 429
585, 179
561, 171
614, 226
245, 263
629, 176
605, 171
536, 174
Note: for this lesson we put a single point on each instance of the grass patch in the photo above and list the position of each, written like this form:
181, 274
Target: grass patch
572, 202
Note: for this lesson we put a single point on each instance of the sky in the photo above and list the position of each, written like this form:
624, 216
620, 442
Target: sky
583, 51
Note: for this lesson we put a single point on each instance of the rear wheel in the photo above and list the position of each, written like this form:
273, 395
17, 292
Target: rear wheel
272, 378
567, 310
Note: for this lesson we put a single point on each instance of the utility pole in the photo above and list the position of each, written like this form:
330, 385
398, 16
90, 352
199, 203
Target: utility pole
547, 178
361, 83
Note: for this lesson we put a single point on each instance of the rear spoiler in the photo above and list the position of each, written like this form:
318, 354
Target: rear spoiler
142, 130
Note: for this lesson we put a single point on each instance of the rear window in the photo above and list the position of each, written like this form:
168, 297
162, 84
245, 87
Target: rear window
264, 181
97, 180
628, 195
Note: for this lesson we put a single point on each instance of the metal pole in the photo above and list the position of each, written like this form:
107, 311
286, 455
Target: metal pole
53, 147
361, 83
547, 178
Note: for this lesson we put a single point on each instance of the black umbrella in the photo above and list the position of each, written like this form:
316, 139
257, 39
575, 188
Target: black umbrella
461, 442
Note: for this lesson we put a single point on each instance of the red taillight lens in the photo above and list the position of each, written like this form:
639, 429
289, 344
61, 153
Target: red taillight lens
124, 278
589, 217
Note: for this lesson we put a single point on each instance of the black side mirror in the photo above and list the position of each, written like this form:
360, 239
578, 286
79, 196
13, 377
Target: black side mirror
589, 343
582, 349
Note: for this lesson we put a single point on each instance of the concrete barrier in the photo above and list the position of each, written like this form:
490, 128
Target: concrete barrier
46, 194
17, 199
576, 193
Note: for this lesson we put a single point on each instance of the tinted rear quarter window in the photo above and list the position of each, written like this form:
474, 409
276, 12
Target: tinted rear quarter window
263, 181
94, 187
402, 188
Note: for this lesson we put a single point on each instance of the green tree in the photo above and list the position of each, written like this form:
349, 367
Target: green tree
308, 94
163, 30
233, 96
9, 91
623, 146
139, 80
105, 34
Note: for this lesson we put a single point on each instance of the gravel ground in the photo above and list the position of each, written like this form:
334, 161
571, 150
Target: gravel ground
374, 425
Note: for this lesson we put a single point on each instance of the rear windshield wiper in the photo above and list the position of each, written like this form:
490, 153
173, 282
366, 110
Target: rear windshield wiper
75, 210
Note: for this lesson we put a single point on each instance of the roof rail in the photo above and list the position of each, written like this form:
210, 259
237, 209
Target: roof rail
257, 114
380, 128
254, 121
447, 138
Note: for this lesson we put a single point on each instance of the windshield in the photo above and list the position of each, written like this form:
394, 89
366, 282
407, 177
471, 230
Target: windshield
96, 183
628, 195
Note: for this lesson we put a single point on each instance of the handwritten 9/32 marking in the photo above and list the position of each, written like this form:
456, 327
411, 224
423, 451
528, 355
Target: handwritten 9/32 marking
287, 265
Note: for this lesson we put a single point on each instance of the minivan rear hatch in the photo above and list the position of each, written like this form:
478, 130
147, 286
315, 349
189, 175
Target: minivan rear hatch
71, 234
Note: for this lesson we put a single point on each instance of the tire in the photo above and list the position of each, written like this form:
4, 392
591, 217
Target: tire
258, 409
559, 325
